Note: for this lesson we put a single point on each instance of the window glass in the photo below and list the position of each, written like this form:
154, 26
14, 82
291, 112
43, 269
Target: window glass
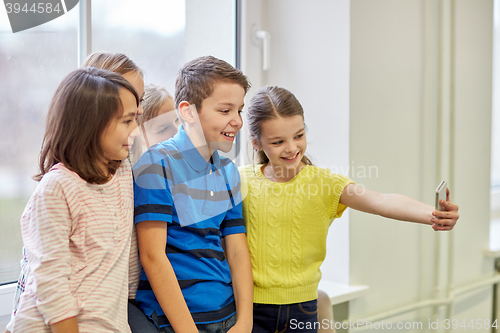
150, 32
495, 130
32, 64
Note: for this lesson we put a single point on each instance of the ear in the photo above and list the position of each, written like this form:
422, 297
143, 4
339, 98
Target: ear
186, 112
256, 144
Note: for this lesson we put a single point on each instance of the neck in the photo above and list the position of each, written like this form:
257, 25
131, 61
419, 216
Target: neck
198, 141
104, 168
280, 174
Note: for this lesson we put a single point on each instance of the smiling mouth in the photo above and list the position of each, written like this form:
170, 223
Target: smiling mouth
291, 158
229, 135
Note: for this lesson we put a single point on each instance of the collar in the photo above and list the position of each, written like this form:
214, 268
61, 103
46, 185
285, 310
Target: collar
191, 154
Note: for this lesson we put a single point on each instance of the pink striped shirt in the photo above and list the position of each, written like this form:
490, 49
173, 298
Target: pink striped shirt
81, 246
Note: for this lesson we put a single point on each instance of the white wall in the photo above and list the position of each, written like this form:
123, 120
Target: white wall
210, 29
417, 67
310, 57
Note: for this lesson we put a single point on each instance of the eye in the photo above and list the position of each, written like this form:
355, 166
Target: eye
162, 130
299, 136
128, 121
225, 111
141, 100
277, 143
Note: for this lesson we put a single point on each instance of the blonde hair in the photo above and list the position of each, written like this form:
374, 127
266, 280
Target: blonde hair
154, 98
115, 62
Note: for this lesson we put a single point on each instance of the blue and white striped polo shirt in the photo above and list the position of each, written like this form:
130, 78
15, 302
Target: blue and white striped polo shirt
201, 202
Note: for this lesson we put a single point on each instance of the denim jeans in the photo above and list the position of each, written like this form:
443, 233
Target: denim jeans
219, 327
138, 321
298, 317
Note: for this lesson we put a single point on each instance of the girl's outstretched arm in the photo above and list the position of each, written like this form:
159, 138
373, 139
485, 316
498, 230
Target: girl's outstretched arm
400, 207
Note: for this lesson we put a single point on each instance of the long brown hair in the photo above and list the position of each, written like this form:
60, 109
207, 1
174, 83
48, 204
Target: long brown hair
271, 102
83, 105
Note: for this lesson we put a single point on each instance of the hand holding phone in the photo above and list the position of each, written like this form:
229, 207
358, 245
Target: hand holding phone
441, 194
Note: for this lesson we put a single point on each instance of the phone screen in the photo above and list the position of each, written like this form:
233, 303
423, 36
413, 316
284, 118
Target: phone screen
440, 194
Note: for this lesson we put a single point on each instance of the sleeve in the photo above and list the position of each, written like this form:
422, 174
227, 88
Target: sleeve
153, 200
233, 222
46, 229
135, 268
338, 184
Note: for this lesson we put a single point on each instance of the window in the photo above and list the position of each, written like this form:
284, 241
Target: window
32, 64
159, 35
495, 136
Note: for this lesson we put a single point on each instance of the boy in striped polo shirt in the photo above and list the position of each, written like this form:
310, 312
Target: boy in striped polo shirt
188, 203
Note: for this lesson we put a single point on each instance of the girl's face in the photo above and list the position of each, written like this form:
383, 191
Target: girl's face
164, 125
117, 138
136, 80
284, 142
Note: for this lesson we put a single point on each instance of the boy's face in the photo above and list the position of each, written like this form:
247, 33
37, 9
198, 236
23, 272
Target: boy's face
220, 115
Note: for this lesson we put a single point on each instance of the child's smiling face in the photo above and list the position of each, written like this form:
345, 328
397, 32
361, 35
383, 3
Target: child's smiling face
118, 136
283, 139
220, 115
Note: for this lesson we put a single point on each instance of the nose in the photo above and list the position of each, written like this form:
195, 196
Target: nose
140, 110
290, 147
135, 132
237, 121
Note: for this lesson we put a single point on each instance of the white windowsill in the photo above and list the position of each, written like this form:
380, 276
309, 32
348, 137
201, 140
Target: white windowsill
340, 293
6, 296
494, 246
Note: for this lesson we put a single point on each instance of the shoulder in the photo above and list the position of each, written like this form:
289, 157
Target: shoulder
228, 164
248, 171
231, 170
315, 173
157, 153
59, 181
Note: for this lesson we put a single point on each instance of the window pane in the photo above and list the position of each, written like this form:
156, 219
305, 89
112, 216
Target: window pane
161, 35
32, 64
150, 32
495, 128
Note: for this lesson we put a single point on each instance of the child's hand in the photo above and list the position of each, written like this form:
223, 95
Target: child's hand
445, 220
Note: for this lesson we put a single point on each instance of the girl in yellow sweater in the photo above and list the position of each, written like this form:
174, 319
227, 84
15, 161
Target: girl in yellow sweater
289, 206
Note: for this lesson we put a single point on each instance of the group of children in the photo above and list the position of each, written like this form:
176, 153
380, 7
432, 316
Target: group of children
222, 249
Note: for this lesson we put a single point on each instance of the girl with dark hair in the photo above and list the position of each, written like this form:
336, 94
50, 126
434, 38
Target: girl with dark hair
123, 65
289, 207
77, 226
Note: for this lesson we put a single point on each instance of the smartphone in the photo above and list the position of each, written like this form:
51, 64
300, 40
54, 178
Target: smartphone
441, 194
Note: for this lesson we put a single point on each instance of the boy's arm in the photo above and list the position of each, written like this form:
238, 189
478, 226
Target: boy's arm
152, 237
238, 257
400, 207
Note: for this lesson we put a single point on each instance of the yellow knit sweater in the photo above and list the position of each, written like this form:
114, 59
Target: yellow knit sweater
287, 225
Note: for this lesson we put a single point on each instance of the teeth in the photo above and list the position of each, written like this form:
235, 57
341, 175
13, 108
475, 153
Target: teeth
230, 135
290, 158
